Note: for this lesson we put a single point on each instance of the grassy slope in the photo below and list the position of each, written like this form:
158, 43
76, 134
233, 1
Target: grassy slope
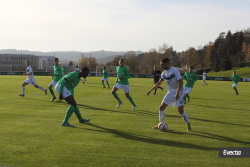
31, 135
242, 72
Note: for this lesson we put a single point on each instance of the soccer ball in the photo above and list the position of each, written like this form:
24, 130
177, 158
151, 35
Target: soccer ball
163, 126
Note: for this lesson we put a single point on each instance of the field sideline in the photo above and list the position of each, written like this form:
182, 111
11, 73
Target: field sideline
31, 133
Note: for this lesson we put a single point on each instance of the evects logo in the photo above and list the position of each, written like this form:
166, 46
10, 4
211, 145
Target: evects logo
235, 152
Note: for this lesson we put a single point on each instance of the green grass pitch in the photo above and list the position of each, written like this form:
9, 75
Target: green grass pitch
31, 133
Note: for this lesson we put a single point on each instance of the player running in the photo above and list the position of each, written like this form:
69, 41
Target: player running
64, 87
204, 78
156, 75
122, 82
56, 77
175, 94
64, 71
105, 77
191, 78
235, 78
30, 80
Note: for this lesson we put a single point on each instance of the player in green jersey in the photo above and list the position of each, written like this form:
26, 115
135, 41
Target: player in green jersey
64, 88
56, 76
235, 78
122, 82
64, 71
105, 77
191, 78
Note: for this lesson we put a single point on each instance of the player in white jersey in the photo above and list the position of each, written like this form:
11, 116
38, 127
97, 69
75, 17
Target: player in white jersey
204, 78
30, 80
78, 70
175, 94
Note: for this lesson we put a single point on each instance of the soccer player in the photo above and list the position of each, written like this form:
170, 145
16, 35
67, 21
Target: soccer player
175, 94
78, 70
30, 80
190, 77
64, 71
122, 82
63, 87
204, 78
105, 77
156, 74
56, 77
236, 79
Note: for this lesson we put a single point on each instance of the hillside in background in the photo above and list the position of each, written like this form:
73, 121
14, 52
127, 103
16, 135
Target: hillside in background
101, 56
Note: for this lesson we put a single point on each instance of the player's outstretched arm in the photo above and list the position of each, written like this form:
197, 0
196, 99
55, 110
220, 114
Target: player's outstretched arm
155, 87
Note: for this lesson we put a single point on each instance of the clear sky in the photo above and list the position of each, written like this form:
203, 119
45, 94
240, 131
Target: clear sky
117, 25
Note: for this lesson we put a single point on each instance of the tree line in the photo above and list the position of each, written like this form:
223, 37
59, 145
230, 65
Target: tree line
219, 55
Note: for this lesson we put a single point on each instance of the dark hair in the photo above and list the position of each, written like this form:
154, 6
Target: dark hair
191, 67
165, 60
76, 66
122, 60
56, 59
104, 66
27, 60
85, 69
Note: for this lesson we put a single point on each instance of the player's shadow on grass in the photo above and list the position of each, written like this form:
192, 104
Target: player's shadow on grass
206, 120
206, 99
133, 112
221, 107
147, 139
210, 136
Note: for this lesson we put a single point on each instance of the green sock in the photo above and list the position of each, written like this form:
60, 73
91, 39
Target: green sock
51, 91
185, 99
131, 100
78, 114
188, 96
108, 84
236, 90
117, 98
103, 84
70, 111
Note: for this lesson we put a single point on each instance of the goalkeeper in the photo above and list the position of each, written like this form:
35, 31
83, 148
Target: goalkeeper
65, 89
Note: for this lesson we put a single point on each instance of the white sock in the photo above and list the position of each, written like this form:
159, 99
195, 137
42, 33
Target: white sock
185, 117
161, 115
23, 90
41, 88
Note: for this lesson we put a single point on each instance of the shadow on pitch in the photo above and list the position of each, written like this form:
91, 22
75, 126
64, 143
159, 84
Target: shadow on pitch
147, 139
206, 99
221, 107
133, 112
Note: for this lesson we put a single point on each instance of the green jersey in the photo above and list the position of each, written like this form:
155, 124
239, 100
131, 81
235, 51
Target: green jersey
70, 81
57, 73
122, 71
64, 71
235, 78
105, 74
190, 77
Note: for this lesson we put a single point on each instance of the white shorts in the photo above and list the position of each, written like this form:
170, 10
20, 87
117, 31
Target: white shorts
66, 92
204, 79
187, 90
126, 88
170, 99
30, 81
53, 83
235, 85
105, 79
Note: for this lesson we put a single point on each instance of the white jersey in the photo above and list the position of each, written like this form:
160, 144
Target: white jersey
172, 77
77, 69
28, 71
204, 75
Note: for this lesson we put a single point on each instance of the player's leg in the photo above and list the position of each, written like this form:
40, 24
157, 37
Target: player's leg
235, 88
188, 92
131, 100
23, 89
53, 83
115, 88
107, 81
103, 83
161, 113
36, 86
185, 117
